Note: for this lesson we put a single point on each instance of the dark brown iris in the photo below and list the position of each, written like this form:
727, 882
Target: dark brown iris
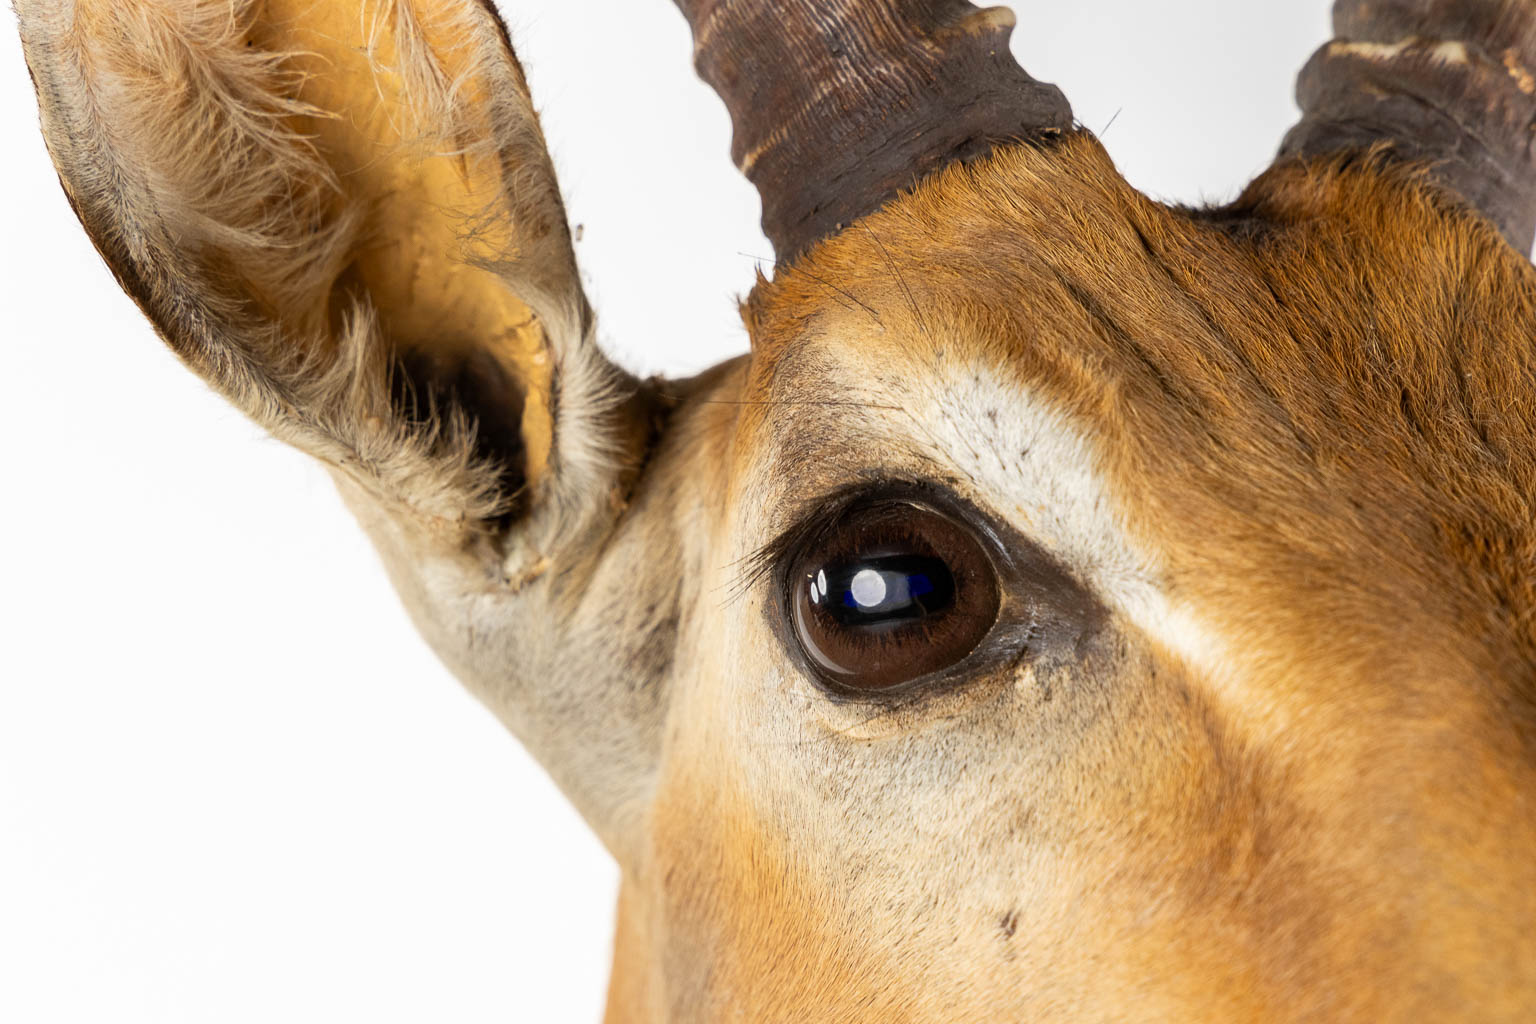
892, 593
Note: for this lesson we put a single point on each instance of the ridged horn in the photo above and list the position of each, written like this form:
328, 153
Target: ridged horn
1448, 82
838, 105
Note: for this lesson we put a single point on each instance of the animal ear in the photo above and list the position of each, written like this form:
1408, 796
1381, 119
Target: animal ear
1446, 84
342, 215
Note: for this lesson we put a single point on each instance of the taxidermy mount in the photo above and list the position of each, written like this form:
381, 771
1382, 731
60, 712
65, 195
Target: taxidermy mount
1075, 607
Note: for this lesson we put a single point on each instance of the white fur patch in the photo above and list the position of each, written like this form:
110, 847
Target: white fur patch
1035, 468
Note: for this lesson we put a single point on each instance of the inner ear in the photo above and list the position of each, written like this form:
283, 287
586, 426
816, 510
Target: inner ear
393, 99
426, 382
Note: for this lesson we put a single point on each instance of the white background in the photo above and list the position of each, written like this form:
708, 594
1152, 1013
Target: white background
234, 785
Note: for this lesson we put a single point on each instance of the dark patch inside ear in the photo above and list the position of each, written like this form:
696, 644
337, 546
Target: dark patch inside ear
428, 387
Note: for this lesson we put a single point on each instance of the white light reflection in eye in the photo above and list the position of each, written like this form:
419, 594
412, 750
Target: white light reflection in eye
819, 587
868, 588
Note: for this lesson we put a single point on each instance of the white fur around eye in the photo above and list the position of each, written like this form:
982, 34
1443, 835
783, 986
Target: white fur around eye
1037, 470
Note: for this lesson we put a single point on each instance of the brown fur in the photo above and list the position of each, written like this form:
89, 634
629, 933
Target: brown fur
1315, 408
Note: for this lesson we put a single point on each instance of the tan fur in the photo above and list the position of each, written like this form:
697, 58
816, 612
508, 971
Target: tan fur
1311, 413
378, 188
1288, 447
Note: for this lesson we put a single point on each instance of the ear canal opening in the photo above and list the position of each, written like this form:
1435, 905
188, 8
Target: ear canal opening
428, 388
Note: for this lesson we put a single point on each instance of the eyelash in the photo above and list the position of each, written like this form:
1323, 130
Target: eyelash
818, 520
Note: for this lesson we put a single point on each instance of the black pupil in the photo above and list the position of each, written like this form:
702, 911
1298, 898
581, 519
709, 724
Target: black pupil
877, 590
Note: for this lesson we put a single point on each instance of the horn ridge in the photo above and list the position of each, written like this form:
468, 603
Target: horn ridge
838, 105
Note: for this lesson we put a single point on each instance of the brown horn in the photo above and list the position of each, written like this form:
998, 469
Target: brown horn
838, 105
1448, 82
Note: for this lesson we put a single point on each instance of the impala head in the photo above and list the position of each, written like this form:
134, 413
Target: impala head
1074, 608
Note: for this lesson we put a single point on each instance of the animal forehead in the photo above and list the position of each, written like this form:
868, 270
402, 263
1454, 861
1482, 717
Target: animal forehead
1320, 278
1318, 399
1071, 283
1325, 315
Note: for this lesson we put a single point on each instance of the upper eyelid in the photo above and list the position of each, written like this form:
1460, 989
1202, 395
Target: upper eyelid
820, 514
805, 524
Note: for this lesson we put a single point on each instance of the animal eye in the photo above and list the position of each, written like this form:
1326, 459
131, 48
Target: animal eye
891, 593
